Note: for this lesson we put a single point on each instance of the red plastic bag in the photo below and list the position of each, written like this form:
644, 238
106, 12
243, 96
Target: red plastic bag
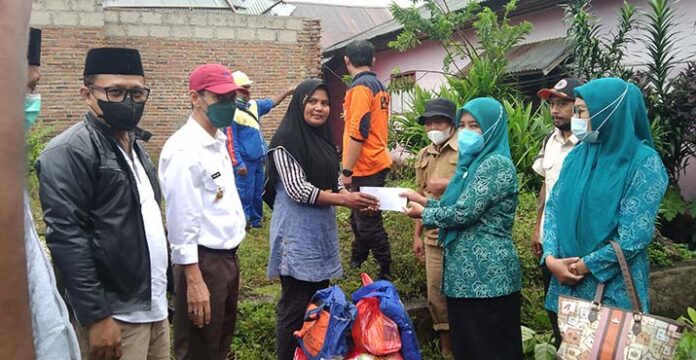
356, 355
313, 331
373, 332
299, 354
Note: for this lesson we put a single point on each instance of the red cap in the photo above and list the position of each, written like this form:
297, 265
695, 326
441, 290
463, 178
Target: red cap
214, 78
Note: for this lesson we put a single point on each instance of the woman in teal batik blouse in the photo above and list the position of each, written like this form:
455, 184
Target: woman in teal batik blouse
610, 188
481, 274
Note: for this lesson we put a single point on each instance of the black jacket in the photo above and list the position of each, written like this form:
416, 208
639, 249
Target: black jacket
94, 224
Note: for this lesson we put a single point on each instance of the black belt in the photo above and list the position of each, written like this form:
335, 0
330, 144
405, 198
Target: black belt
232, 251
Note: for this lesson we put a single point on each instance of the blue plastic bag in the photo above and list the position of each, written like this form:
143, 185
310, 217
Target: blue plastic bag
391, 306
341, 315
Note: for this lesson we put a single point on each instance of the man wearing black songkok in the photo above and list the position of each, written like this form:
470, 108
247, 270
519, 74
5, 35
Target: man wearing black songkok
100, 198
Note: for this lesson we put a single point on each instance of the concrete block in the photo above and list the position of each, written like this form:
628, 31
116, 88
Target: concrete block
294, 24
115, 30
287, 36
57, 5
65, 18
182, 32
203, 32
265, 35
175, 19
246, 34
151, 18
92, 19
85, 5
253, 21
237, 20
275, 23
226, 33
198, 19
217, 19
40, 18
129, 17
160, 31
37, 5
137, 30
111, 16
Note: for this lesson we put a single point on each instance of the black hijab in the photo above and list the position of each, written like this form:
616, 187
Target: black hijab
311, 146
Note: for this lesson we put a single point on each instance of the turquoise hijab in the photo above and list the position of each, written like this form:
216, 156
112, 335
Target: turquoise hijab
595, 176
492, 118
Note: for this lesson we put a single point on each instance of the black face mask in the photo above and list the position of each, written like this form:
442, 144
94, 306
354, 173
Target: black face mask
123, 115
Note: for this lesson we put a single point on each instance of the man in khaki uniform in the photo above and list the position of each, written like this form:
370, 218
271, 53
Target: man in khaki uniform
548, 164
435, 166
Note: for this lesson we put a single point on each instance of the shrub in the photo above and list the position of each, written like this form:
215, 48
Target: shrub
687, 346
526, 130
595, 55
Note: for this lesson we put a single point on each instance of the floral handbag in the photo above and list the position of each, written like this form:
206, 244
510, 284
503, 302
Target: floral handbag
592, 331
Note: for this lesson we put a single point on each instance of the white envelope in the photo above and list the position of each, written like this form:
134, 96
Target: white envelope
389, 199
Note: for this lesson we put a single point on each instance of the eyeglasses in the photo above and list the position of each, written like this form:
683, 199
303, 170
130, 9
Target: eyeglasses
117, 94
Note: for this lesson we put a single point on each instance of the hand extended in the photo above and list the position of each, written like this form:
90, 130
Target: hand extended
357, 200
414, 210
414, 197
105, 339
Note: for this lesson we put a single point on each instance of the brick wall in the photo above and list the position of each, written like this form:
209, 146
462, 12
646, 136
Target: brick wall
276, 52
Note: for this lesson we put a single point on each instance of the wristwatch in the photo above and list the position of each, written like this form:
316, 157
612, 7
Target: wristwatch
347, 173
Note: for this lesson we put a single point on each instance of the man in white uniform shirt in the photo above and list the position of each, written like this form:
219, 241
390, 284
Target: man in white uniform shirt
205, 218
548, 164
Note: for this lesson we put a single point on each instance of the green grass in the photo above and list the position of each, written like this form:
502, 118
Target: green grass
256, 319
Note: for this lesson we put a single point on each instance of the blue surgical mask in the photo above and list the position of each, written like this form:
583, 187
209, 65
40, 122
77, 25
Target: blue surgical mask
32, 107
471, 143
578, 126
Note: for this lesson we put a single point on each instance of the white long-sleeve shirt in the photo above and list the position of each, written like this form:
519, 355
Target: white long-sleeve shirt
202, 204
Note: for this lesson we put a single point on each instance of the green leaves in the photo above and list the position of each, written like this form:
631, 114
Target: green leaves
544, 351
660, 39
526, 131
687, 346
536, 346
596, 55
37, 138
672, 204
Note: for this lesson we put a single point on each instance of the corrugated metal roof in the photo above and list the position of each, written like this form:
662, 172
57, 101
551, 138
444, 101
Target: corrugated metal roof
341, 22
338, 22
199, 4
542, 56
258, 7
392, 25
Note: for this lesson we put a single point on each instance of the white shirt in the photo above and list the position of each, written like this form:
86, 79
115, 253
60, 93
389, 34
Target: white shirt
156, 244
550, 161
203, 207
54, 337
